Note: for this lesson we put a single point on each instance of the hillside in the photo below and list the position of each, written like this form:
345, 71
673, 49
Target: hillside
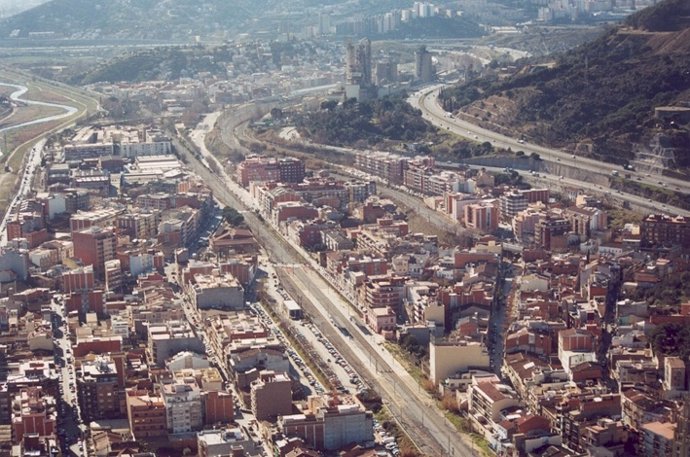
597, 99
158, 64
366, 123
131, 19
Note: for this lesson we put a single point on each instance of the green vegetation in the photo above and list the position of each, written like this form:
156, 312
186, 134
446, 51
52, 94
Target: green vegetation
411, 363
232, 216
618, 217
669, 293
672, 340
449, 405
382, 123
602, 93
455, 149
410, 344
512, 178
161, 63
666, 16
366, 123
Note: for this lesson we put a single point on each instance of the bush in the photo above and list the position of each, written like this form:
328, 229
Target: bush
672, 340
232, 216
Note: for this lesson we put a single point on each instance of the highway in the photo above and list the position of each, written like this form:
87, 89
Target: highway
427, 101
406, 197
433, 433
551, 181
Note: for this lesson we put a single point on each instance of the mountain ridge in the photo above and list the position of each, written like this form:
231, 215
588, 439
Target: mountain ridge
143, 19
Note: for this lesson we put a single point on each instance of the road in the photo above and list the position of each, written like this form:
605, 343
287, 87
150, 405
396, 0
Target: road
411, 200
432, 431
427, 101
549, 181
68, 405
32, 163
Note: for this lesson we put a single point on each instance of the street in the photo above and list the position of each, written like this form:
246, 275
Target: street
69, 422
32, 163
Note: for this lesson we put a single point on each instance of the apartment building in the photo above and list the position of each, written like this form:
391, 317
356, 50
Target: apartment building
271, 395
383, 291
329, 423
104, 217
142, 225
95, 246
78, 280
662, 230
481, 216
487, 398
448, 357
146, 414
217, 291
262, 169
549, 231
659, 440
183, 407
224, 442
385, 165
99, 390
169, 338
34, 412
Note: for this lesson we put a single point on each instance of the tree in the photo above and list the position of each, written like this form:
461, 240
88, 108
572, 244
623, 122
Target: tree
672, 340
329, 105
232, 216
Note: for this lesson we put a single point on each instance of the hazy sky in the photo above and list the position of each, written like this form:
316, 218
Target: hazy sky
15, 6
